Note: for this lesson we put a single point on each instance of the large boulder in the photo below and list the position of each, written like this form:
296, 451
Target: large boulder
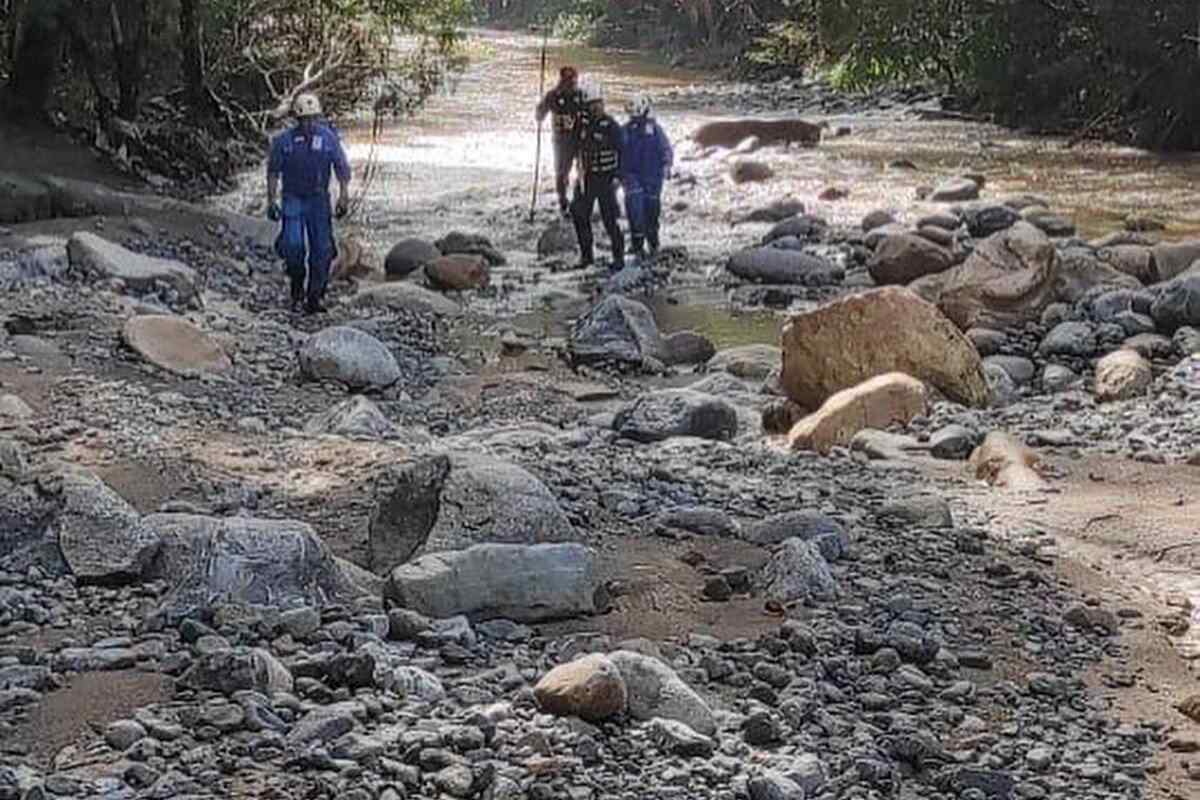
1135, 260
1080, 272
775, 211
986, 219
406, 296
775, 265
1007, 282
526, 583
902, 258
1122, 375
590, 688
174, 344
1172, 259
448, 502
618, 329
802, 227
877, 403
797, 571
955, 190
408, 256
841, 344
667, 413
457, 242
348, 355
458, 272
688, 347
99, 258
238, 670
729, 133
243, 561
655, 690
1177, 303
99, 533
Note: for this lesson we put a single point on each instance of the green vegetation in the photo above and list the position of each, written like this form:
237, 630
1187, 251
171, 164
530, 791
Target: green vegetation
173, 86
1122, 70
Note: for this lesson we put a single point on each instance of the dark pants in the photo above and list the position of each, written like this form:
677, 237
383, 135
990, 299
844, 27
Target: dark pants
644, 208
307, 232
602, 188
565, 148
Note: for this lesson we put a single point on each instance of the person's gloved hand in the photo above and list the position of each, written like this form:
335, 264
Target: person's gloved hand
274, 212
342, 208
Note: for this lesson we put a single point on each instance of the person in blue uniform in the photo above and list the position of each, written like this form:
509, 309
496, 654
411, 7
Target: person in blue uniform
600, 149
645, 164
304, 157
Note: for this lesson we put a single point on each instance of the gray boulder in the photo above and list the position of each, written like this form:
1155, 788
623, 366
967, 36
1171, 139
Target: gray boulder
617, 329
986, 219
350, 356
526, 583
238, 670
23, 199
778, 266
956, 190
408, 256
99, 533
810, 526
358, 418
448, 502
688, 347
901, 259
667, 413
473, 244
1177, 303
749, 362
97, 258
655, 690
775, 211
802, 227
406, 296
797, 571
212, 561
1077, 339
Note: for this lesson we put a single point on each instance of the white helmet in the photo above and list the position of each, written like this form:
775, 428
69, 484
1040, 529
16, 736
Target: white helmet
307, 105
640, 106
590, 91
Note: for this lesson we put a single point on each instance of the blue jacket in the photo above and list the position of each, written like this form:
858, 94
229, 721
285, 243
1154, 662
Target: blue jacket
648, 155
306, 162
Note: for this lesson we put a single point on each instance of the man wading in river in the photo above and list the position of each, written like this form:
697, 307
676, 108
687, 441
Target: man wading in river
305, 156
645, 164
563, 102
600, 146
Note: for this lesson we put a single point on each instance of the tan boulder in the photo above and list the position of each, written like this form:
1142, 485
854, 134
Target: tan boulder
590, 688
1005, 283
1174, 258
731, 132
845, 342
905, 257
174, 344
1004, 462
352, 261
876, 403
458, 272
1121, 375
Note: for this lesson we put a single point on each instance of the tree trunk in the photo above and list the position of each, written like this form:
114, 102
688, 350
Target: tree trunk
193, 56
37, 50
130, 30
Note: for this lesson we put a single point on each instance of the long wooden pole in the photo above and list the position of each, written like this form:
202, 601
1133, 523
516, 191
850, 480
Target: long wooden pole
537, 162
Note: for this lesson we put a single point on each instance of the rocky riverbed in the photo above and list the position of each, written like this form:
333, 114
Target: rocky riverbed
932, 539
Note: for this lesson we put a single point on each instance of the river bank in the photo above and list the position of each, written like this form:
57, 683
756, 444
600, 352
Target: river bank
870, 621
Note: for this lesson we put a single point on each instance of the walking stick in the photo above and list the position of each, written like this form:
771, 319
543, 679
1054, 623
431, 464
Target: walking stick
537, 163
